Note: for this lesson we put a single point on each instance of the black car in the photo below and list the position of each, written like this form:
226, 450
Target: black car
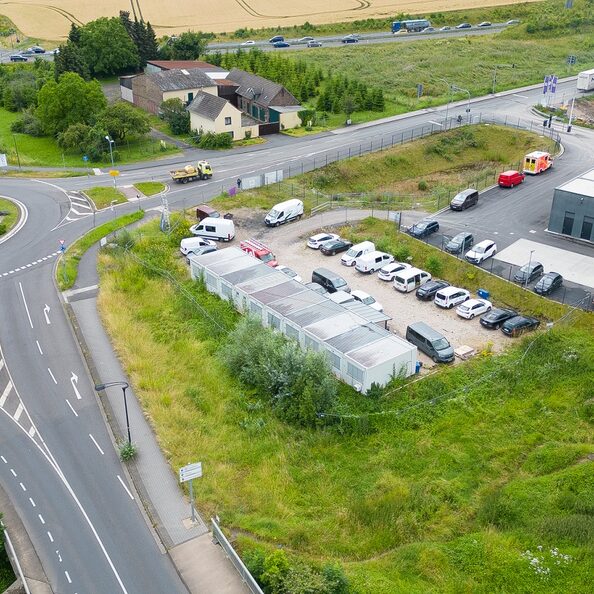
459, 243
518, 325
528, 273
38, 49
427, 291
18, 58
331, 248
496, 317
349, 39
548, 283
281, 44
423, 229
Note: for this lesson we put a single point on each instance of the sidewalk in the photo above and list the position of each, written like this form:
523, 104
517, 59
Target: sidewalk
201, 564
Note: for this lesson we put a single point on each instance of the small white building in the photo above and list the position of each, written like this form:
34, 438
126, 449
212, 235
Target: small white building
360, 350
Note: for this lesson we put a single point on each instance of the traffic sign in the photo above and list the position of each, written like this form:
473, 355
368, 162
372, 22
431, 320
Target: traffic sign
114, 172
189, 472
62, 241
85, 158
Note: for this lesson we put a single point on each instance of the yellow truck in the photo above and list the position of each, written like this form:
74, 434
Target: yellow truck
202, 170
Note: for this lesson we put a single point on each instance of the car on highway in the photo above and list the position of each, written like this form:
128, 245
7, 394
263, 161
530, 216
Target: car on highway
446, 28
473, 307
278, 44
55, 52
495, 318
481, 251
449, 297
306, 38
249, 42
528, 273
276, 38
423, 229
510, 178
315, 241
519, 324
464, 26
333, 247
27, 52
513, 22
314, 44
459, 243
18, 58
290, 273
388, 272
349, 39
429, 30
548, 283
367, 299
484, 24
37, 49
427, 291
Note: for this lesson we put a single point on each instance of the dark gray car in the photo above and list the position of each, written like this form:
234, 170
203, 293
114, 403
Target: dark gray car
529, 272
548, 283
459, 243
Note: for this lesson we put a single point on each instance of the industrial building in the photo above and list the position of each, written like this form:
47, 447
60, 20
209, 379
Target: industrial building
360, 349
572, 212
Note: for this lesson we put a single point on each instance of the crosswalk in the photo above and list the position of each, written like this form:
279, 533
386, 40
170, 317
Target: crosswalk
80, 207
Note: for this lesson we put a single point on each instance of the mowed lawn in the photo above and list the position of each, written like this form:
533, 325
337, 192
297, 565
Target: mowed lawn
443, 489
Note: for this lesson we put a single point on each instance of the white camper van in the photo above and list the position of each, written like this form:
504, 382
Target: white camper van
190, 243
356, 251
219, 229
284, 212
409, 279
585, 80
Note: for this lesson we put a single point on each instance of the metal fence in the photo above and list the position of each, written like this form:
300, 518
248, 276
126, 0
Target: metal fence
243, 571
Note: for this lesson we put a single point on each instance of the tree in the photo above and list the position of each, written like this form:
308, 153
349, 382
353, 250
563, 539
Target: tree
70, 59
176, 115
188, 46
122, 119
20, 91
151, 46
74, 35
107, 47
74, 137
68, 101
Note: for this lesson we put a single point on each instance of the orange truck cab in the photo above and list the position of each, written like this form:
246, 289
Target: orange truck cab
537, 162
255, 248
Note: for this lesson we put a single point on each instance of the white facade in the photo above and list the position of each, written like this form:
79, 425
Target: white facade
359, 350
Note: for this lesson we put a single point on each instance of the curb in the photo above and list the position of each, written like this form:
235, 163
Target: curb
24, 215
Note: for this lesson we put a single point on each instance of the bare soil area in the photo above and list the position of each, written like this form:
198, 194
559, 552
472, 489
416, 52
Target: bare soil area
288, 242
52, 21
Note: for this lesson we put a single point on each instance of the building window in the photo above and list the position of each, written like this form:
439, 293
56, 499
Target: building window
587, 228
226, 290
355, 372
568, 223
291, 332
227, 121
256, 309
311, 344
334, 360
273, 321
190, 97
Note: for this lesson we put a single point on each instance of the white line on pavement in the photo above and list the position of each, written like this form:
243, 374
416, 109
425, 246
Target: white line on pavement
72, 409
3, 459
49, 534
41, 518
96, 444
23, 487
50, 372
32, 502
13, 472
68, 577
26, 307
124, 485
5, 393
39, 347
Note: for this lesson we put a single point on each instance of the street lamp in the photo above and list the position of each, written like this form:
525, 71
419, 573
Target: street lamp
125, 385
528, 271
111, 142
443, 80
455, 88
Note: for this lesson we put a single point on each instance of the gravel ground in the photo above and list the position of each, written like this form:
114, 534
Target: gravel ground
288, 242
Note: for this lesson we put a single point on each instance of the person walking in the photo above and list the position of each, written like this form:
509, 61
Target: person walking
239, 183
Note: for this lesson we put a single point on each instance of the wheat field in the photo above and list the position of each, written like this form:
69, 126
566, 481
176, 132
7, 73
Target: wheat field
52, 21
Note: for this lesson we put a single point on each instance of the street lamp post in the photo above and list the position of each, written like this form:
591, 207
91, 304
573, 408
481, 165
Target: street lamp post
455, 88
528, 271
443, 80
111, 142
124, 385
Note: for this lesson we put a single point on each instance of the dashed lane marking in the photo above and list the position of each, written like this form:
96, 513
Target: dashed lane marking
30, 264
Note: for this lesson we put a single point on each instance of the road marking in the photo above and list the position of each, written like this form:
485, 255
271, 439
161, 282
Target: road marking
436, 123
3, 459
50, 536
124, 485
521, 96
23, 487
5, 394
72, 409
46, 311
20, 224
532, 231
25, 302
39, 347
50, 372
41, 518
1, 364
32, 502
59, 556
96, 444
18, 412
13, 472
74, 381
31, 431
67, 577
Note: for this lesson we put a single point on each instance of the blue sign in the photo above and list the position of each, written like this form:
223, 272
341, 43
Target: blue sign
85, 158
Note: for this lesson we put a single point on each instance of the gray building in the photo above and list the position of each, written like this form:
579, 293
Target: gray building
572, 212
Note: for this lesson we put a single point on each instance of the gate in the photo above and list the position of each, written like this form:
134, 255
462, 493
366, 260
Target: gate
272, 128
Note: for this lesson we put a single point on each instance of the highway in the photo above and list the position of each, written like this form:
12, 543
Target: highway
57, 461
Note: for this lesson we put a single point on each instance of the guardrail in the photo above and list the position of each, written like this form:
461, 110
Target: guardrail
243, 571
14, 561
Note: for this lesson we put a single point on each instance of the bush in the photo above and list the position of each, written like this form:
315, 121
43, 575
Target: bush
210, 140
434, 265
423, 185
28, 124
2, 228
128, 451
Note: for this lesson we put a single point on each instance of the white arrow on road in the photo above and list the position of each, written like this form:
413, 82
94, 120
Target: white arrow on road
74, 381
46, 310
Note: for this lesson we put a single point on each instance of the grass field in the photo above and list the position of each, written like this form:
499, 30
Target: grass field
8, 221
431, 170
150, 188
104, 196
444, 489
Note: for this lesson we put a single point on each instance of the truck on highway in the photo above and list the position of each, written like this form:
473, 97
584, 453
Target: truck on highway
202, 170
412, 26
585, 80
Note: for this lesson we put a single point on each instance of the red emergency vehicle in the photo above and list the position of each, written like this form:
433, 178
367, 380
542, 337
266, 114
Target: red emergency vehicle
255, 248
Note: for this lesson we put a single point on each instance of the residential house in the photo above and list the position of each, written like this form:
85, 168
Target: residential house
215, 72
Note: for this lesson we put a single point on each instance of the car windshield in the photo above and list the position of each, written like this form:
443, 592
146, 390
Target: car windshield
352, 252
368, 300
440, 344
267, 257
547, 281
479, 249
339, 282
273, 214
421, 226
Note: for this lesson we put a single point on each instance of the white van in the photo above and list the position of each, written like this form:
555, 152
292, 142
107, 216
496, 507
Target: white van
284, 212
450, 296
409, 279
191, 243
357, 251
219, 229
373, 261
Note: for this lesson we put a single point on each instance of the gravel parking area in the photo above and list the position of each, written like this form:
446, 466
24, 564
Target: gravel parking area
288, 243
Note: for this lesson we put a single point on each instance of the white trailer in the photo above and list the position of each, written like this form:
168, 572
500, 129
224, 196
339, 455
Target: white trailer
585, 80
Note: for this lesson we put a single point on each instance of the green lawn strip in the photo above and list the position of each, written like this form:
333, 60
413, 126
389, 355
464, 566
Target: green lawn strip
441, 497
426, 172
150, 188
104, 196
30, 173
67, 270
8, 221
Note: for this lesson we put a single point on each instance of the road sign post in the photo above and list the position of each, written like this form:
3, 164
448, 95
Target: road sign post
187, 474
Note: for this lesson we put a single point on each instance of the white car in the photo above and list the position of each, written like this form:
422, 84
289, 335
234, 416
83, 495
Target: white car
249, 42
481, 251
448, 297
473, 307
315, 241
367, 299
305, 39
289, 272
388, 272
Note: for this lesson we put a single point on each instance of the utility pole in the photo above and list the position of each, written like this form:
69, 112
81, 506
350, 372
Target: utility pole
571, 114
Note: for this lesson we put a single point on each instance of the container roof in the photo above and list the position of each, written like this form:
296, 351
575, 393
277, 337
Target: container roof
357, 337
341, 323
296, 302
378, 352
370, 314
277, 291
248, 273
582, 185
315, 313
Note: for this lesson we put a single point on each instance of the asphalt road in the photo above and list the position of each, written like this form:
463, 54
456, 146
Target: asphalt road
99, 540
